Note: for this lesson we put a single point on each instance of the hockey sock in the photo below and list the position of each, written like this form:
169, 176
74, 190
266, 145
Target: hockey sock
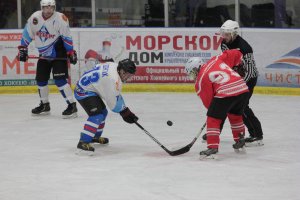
65, 90
100, 128
43, 91
213, 132
90, 128
237, 125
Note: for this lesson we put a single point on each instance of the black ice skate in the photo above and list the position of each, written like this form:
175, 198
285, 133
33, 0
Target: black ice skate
42, 109
239, 145
209, 153
100, 140
254, 141
71, 111
85, 147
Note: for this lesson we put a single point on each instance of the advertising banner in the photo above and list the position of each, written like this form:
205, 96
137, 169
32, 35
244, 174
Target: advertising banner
12, 71
277, 55
160, 53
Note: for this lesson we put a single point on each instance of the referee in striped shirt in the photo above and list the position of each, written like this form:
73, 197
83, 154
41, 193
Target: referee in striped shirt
232, 40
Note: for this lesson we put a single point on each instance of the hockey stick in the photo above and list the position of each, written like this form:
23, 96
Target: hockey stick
189, 146
176, 152
154, 139
50, 58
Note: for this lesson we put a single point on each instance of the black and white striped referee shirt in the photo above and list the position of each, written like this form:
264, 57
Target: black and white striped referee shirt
246, 50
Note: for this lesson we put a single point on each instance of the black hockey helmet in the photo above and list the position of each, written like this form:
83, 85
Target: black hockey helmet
127, 65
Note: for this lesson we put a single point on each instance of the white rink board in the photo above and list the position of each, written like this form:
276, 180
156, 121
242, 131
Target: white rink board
153, 47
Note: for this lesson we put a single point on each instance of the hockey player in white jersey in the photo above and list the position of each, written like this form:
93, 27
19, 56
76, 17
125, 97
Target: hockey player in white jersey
52, 37
97, 87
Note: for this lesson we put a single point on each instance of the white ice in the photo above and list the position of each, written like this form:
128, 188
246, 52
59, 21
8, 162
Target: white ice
38, 160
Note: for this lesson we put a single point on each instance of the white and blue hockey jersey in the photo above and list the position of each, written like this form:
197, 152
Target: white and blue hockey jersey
46, 33
103, 80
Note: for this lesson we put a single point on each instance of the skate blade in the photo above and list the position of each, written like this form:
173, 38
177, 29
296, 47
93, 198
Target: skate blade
210, 157
106, 144
254, 144
81, 152
240, 150
74, 115
41, 114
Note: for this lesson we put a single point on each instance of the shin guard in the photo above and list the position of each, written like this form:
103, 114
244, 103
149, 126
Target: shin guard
237, 125
65, 90
43, 91
213, 132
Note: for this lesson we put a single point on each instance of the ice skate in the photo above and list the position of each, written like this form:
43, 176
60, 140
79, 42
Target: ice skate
239, 146
100, 140
42, 109
208, 154
86, 148
71, 111
254, 141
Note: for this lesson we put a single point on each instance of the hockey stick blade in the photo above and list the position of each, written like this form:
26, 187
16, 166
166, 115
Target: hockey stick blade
183, 150
187, 148
176, 152
153, 138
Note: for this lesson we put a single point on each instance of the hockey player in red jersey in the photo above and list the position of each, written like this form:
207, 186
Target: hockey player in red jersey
224, 93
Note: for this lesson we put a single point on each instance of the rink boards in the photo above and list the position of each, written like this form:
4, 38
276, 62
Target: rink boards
189, 88
160, 55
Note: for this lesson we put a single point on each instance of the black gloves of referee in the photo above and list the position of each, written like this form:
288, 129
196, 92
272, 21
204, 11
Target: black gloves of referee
23, 53
128, 116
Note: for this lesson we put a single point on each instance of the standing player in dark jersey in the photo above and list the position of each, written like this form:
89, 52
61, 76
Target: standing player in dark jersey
232, 40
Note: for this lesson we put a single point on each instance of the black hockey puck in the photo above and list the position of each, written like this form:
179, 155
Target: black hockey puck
170, 123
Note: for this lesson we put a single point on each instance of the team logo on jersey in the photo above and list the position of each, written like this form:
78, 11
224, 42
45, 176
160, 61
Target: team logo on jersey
44, 34
64, 18
35, 21
219, 77
290, 60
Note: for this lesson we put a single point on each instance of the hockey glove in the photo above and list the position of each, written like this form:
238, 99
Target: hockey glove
240, 70
72, 55
128, 116
23, 53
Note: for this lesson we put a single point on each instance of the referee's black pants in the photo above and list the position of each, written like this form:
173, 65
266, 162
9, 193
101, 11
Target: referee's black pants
250, 120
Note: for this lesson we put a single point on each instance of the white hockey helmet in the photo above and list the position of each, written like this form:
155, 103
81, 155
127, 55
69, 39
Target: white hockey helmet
192, 65
231, 27
47, 3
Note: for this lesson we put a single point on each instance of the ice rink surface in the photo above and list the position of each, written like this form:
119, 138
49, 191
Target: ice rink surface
38, 160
